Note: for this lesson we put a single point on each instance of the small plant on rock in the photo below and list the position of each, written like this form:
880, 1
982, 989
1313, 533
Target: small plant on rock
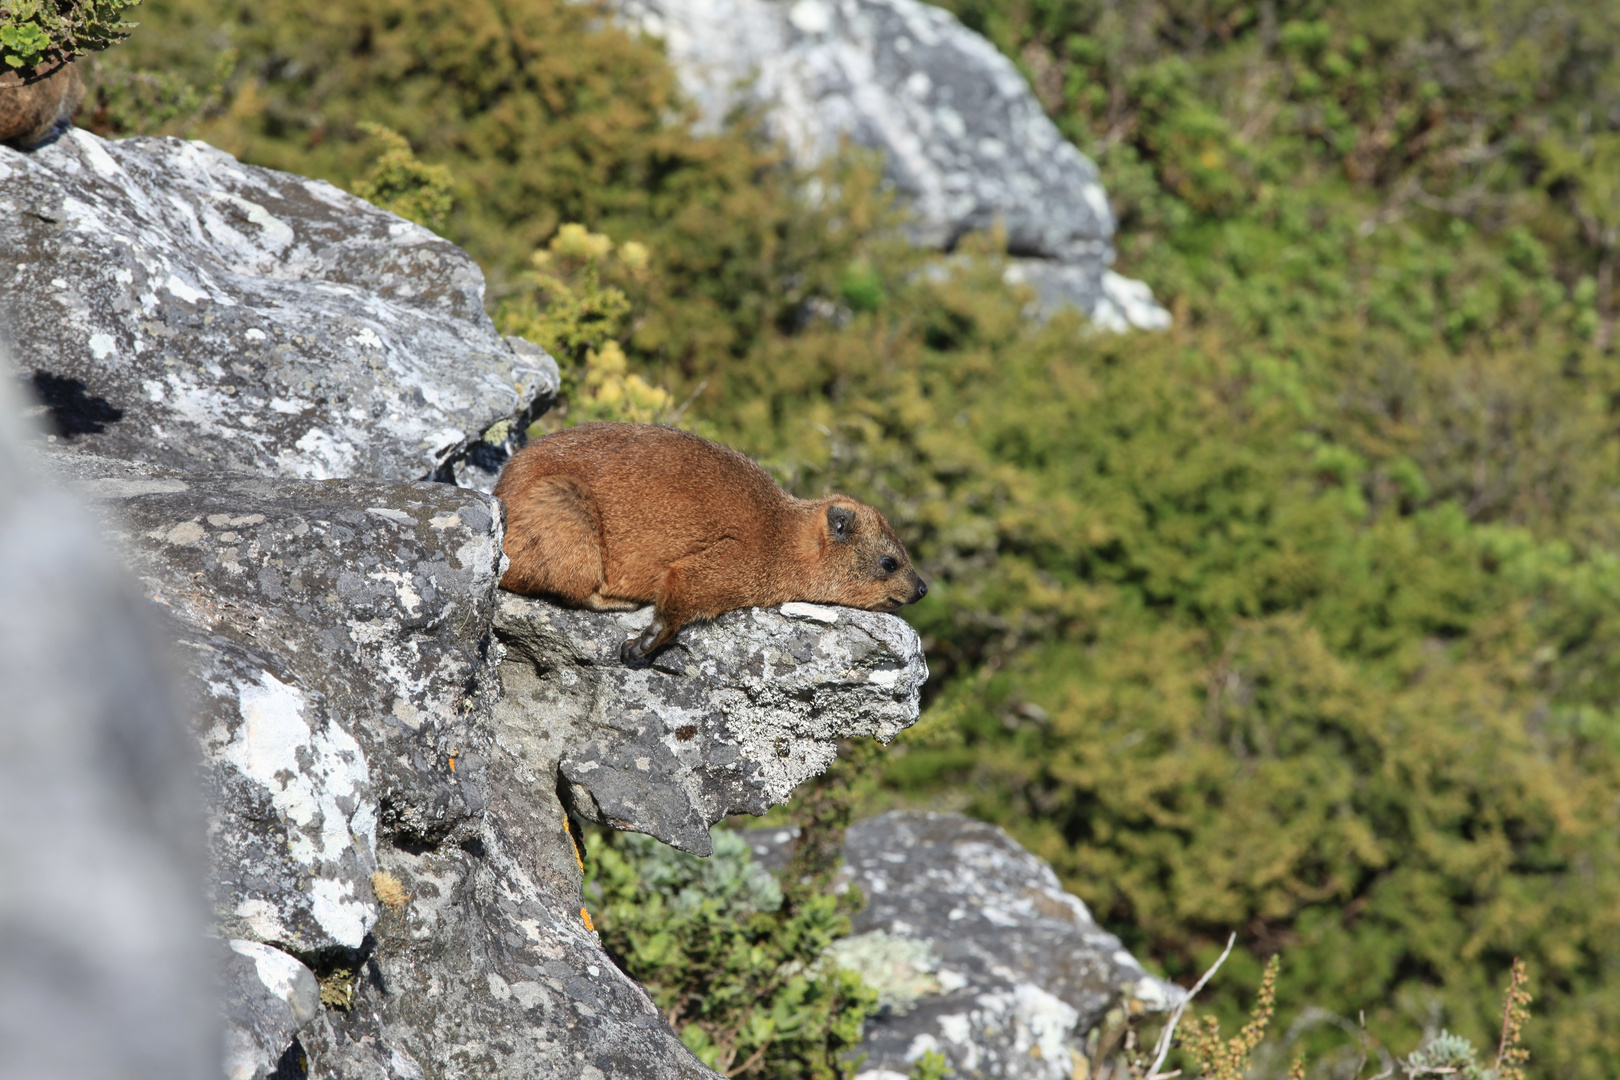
39, 36
1442, 1056
1228, 1059
736, 968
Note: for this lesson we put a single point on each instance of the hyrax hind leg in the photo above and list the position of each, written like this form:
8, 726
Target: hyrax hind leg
552, 542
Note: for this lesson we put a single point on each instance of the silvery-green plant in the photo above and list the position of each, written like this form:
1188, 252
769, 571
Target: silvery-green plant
1445, 1055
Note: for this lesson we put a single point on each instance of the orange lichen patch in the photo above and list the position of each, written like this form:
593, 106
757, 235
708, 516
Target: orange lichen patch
586, 916
578, 858
389, 891
452, 762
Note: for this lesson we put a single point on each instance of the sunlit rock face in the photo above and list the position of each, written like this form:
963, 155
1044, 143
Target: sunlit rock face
368, 825
964, 140
728, 718
177, 307
976, 952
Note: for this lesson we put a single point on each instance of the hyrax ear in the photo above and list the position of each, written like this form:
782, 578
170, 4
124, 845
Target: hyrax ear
840, 522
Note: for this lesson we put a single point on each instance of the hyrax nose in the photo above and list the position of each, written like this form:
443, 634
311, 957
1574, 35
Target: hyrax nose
922, 590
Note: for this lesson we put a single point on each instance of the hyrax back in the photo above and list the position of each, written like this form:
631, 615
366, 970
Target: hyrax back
614, 516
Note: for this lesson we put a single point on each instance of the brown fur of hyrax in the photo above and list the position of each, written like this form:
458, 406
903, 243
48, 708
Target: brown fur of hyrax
28, 114
613, 516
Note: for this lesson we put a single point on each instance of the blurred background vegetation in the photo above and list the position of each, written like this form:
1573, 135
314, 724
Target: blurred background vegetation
1301, 618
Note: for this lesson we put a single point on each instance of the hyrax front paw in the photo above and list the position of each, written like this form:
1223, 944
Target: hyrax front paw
639, 647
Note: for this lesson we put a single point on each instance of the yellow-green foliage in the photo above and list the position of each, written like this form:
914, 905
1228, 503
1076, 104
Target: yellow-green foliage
1511, 1054
570, 310
399, 182
579, 317
1302, 618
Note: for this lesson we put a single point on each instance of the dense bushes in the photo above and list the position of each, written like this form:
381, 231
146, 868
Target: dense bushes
1298, 619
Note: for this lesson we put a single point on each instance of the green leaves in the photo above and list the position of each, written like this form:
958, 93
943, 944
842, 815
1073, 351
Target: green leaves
37, 36
23, 45
740, 974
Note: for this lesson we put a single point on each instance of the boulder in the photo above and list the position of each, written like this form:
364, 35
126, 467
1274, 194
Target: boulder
976, 952
728, 718
336, 638
964, 140
174, 306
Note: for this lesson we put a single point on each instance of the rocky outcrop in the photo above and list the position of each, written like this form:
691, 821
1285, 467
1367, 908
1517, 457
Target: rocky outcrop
385, 789
174, 306
103, 970
336, 636
728, 719
338, 643
963, 139
976, 951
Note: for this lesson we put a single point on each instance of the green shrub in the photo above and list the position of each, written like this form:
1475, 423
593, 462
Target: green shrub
738, 972
398, 182
738, 959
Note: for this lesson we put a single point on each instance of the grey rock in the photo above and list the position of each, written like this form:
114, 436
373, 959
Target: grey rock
727, 719
268, 997
193, 312
337, 638
976, 950
964, 140
1111, 301
103, 968
336, 635
489, 968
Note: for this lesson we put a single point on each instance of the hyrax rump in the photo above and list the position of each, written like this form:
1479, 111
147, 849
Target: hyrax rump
613, 516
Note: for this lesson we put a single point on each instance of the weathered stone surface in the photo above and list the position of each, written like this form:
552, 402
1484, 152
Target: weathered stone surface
103, 968
268, 997
489, 968
337, 636
729, 718
177, 307
1120, 303
964, 140
977, 951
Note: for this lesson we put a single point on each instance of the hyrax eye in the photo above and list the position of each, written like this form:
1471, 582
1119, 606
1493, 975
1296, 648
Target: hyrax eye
888, 564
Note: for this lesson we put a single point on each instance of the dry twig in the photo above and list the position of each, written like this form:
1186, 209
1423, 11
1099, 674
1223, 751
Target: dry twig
1163, 1047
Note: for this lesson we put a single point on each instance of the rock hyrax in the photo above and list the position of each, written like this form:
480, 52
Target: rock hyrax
613, 516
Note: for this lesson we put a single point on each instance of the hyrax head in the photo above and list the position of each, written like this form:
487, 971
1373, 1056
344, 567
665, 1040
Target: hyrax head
869, 567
